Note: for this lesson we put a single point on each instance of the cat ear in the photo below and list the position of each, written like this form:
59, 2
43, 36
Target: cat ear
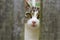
27, 6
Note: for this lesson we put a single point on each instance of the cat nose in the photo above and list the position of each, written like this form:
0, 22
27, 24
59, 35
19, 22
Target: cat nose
33, 22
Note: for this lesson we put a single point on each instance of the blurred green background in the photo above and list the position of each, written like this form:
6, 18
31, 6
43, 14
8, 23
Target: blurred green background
12, 14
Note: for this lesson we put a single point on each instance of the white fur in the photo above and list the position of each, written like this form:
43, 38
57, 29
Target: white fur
32, 33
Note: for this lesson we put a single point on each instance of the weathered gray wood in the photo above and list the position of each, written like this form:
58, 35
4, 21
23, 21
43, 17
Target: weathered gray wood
6, 19
18, 15
51, 16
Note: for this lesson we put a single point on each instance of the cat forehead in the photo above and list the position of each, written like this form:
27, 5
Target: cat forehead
34, 10
35, 13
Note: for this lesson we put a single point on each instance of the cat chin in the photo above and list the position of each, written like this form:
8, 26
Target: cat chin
33, 27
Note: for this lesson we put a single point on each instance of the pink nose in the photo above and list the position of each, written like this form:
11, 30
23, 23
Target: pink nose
33, 22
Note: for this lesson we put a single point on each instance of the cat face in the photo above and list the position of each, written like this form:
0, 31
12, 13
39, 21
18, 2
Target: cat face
33, 18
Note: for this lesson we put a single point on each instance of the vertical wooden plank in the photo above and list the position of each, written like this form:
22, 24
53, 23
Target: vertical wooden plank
18, 16
41, 12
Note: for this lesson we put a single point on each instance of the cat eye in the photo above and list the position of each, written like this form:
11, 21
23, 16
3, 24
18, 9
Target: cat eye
28, 15
38, 16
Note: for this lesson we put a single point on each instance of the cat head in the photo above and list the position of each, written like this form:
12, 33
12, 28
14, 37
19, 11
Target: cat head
32, 17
